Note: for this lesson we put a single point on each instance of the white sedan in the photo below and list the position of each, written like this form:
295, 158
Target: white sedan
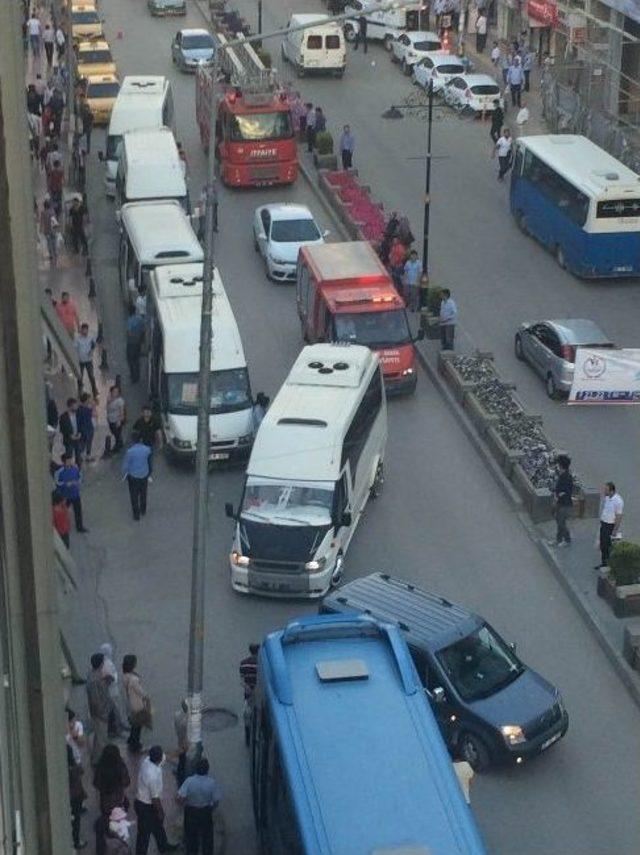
439, 67
409, 48
279, 230
478, 92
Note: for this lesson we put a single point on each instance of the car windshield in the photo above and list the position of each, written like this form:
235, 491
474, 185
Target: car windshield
85, 18
103, 90
197, 42
425, 46
450, 69
375, 329
90, 57
288, 502
485, 89
114, 146
229, 392
480, 664
294, 231
261, 126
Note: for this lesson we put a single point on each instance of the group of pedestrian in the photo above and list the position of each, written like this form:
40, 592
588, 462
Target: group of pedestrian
312, 122
36, 35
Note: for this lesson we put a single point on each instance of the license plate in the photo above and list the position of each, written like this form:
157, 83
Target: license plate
219, 456
550, 742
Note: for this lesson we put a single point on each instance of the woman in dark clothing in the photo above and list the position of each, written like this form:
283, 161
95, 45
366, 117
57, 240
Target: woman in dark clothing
76, 796
111, 780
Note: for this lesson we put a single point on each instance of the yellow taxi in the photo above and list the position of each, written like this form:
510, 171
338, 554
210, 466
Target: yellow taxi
85, 22
101, 91
94, 57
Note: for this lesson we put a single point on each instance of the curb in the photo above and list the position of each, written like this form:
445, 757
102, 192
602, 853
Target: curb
615, 657
315, 189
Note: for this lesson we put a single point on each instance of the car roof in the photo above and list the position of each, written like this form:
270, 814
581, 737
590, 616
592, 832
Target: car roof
287, 211
93, 44
427, 620
195, 31
101, 78
419, 35
479, 79
579, 331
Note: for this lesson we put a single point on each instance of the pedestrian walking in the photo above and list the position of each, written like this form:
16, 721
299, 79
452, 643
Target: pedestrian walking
611, 512
34, 100
347, 146
503, 149
411, 281
149, 429
562, 500
136, 328
111, 779
497, 120
137, 700
522, 117
141, 301
527, 66
57, 108
77, 216
68, 425
68, 479
75, 735
116, 415
85, 347
35, 128
34, 29
448, 318
249, 676
60, 517
180, 725
49, 230
61, 43
77, 795
260, 407
481, 31
135, 469
320, 121
117, 835
55, 186
99, 707
148, 804
361, 34
48, 40
515, 79
200, 795
397, 258
496, 54
390, 231
311, 127
86, 117
67, 312
110, 673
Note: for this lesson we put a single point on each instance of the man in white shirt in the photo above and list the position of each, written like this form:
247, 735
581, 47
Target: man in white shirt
610, 521
503, 150
85, 346
481, 31
34, 28
148, 804
448, 318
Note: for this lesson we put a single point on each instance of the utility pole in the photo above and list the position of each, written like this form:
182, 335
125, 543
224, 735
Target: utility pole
427, 189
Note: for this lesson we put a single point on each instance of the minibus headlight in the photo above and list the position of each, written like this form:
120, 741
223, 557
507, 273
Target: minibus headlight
182, 443
239, 559
247, 439
512, 733
316, 565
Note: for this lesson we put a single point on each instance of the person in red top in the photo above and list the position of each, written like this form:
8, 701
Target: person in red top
60, 517
55, 183
397, 258
68, 314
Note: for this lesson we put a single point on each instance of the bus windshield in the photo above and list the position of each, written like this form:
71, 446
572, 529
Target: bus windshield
288, 502
261, 126
375, 329
229, 392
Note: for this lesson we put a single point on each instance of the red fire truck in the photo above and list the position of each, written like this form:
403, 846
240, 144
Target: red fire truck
255, 139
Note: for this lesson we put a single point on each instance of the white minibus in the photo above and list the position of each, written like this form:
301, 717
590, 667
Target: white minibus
142, 102
317, 457
174, 309
153, 234
150, 167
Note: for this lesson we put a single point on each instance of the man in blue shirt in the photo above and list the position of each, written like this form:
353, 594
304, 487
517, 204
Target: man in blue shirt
347, 146
411, 281
515, 79
67, 480
200, 795
136, 327
135, 468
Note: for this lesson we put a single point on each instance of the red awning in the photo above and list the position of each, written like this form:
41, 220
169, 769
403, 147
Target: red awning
543, 11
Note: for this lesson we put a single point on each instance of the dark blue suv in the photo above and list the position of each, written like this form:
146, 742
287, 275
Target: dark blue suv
490, 706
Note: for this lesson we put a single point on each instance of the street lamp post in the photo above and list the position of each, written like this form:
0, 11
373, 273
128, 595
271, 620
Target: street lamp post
259, 16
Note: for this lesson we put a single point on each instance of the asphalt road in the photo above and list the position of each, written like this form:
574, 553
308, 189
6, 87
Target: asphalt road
441, 521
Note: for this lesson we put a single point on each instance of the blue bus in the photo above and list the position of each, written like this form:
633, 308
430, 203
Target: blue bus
579, 202
346, 756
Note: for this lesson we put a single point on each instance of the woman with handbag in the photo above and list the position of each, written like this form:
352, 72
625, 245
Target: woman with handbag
111, 780
138, 702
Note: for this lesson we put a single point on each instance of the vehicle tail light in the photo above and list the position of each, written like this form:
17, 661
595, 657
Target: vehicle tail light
568, 352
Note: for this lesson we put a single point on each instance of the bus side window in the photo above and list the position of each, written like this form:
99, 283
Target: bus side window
285, 839
167, 111
517, 166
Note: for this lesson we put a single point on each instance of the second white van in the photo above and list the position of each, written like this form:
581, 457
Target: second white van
150, 167
319, 48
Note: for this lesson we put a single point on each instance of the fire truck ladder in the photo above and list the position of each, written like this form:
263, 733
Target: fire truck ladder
243, 68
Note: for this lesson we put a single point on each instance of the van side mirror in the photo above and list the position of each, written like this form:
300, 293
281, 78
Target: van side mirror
100, 156
438, 695
345, 519
229, 511
326, 233
512, 645
419, 335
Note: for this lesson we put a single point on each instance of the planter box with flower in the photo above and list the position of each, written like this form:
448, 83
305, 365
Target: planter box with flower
620, 584
430, 313
463, 373
363, 218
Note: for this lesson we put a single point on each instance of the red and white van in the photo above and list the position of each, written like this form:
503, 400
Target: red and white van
344, 293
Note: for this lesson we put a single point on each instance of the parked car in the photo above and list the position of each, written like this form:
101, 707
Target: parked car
160, 8
94, 57
550, 348
101, 92
491, 707
279, 230
86, 23
479, 92
191, 48
408, 48
439, 67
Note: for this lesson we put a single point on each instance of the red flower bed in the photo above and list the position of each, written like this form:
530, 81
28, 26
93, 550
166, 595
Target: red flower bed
360, 208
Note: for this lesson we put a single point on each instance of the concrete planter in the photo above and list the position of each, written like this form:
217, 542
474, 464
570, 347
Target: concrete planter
537, 500
458, 385
481, 419
505, 457
325, 161
623, 599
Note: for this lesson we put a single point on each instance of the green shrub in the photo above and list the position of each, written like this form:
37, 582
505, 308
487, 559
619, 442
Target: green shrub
624, 563
324, 143
434, 298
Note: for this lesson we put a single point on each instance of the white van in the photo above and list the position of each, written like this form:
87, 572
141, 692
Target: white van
318, 49
174, 309
385, 26
153, 234
317, 457
142, 102
150, 167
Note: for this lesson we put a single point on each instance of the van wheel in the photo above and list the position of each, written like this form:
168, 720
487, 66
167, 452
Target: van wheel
338, 570
299, 70
475, 752
388, 42
378, 481
552, 389
349, 32
562, 262
521, 222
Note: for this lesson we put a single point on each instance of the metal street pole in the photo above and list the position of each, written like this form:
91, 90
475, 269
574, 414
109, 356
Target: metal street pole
259, 16
427, 189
